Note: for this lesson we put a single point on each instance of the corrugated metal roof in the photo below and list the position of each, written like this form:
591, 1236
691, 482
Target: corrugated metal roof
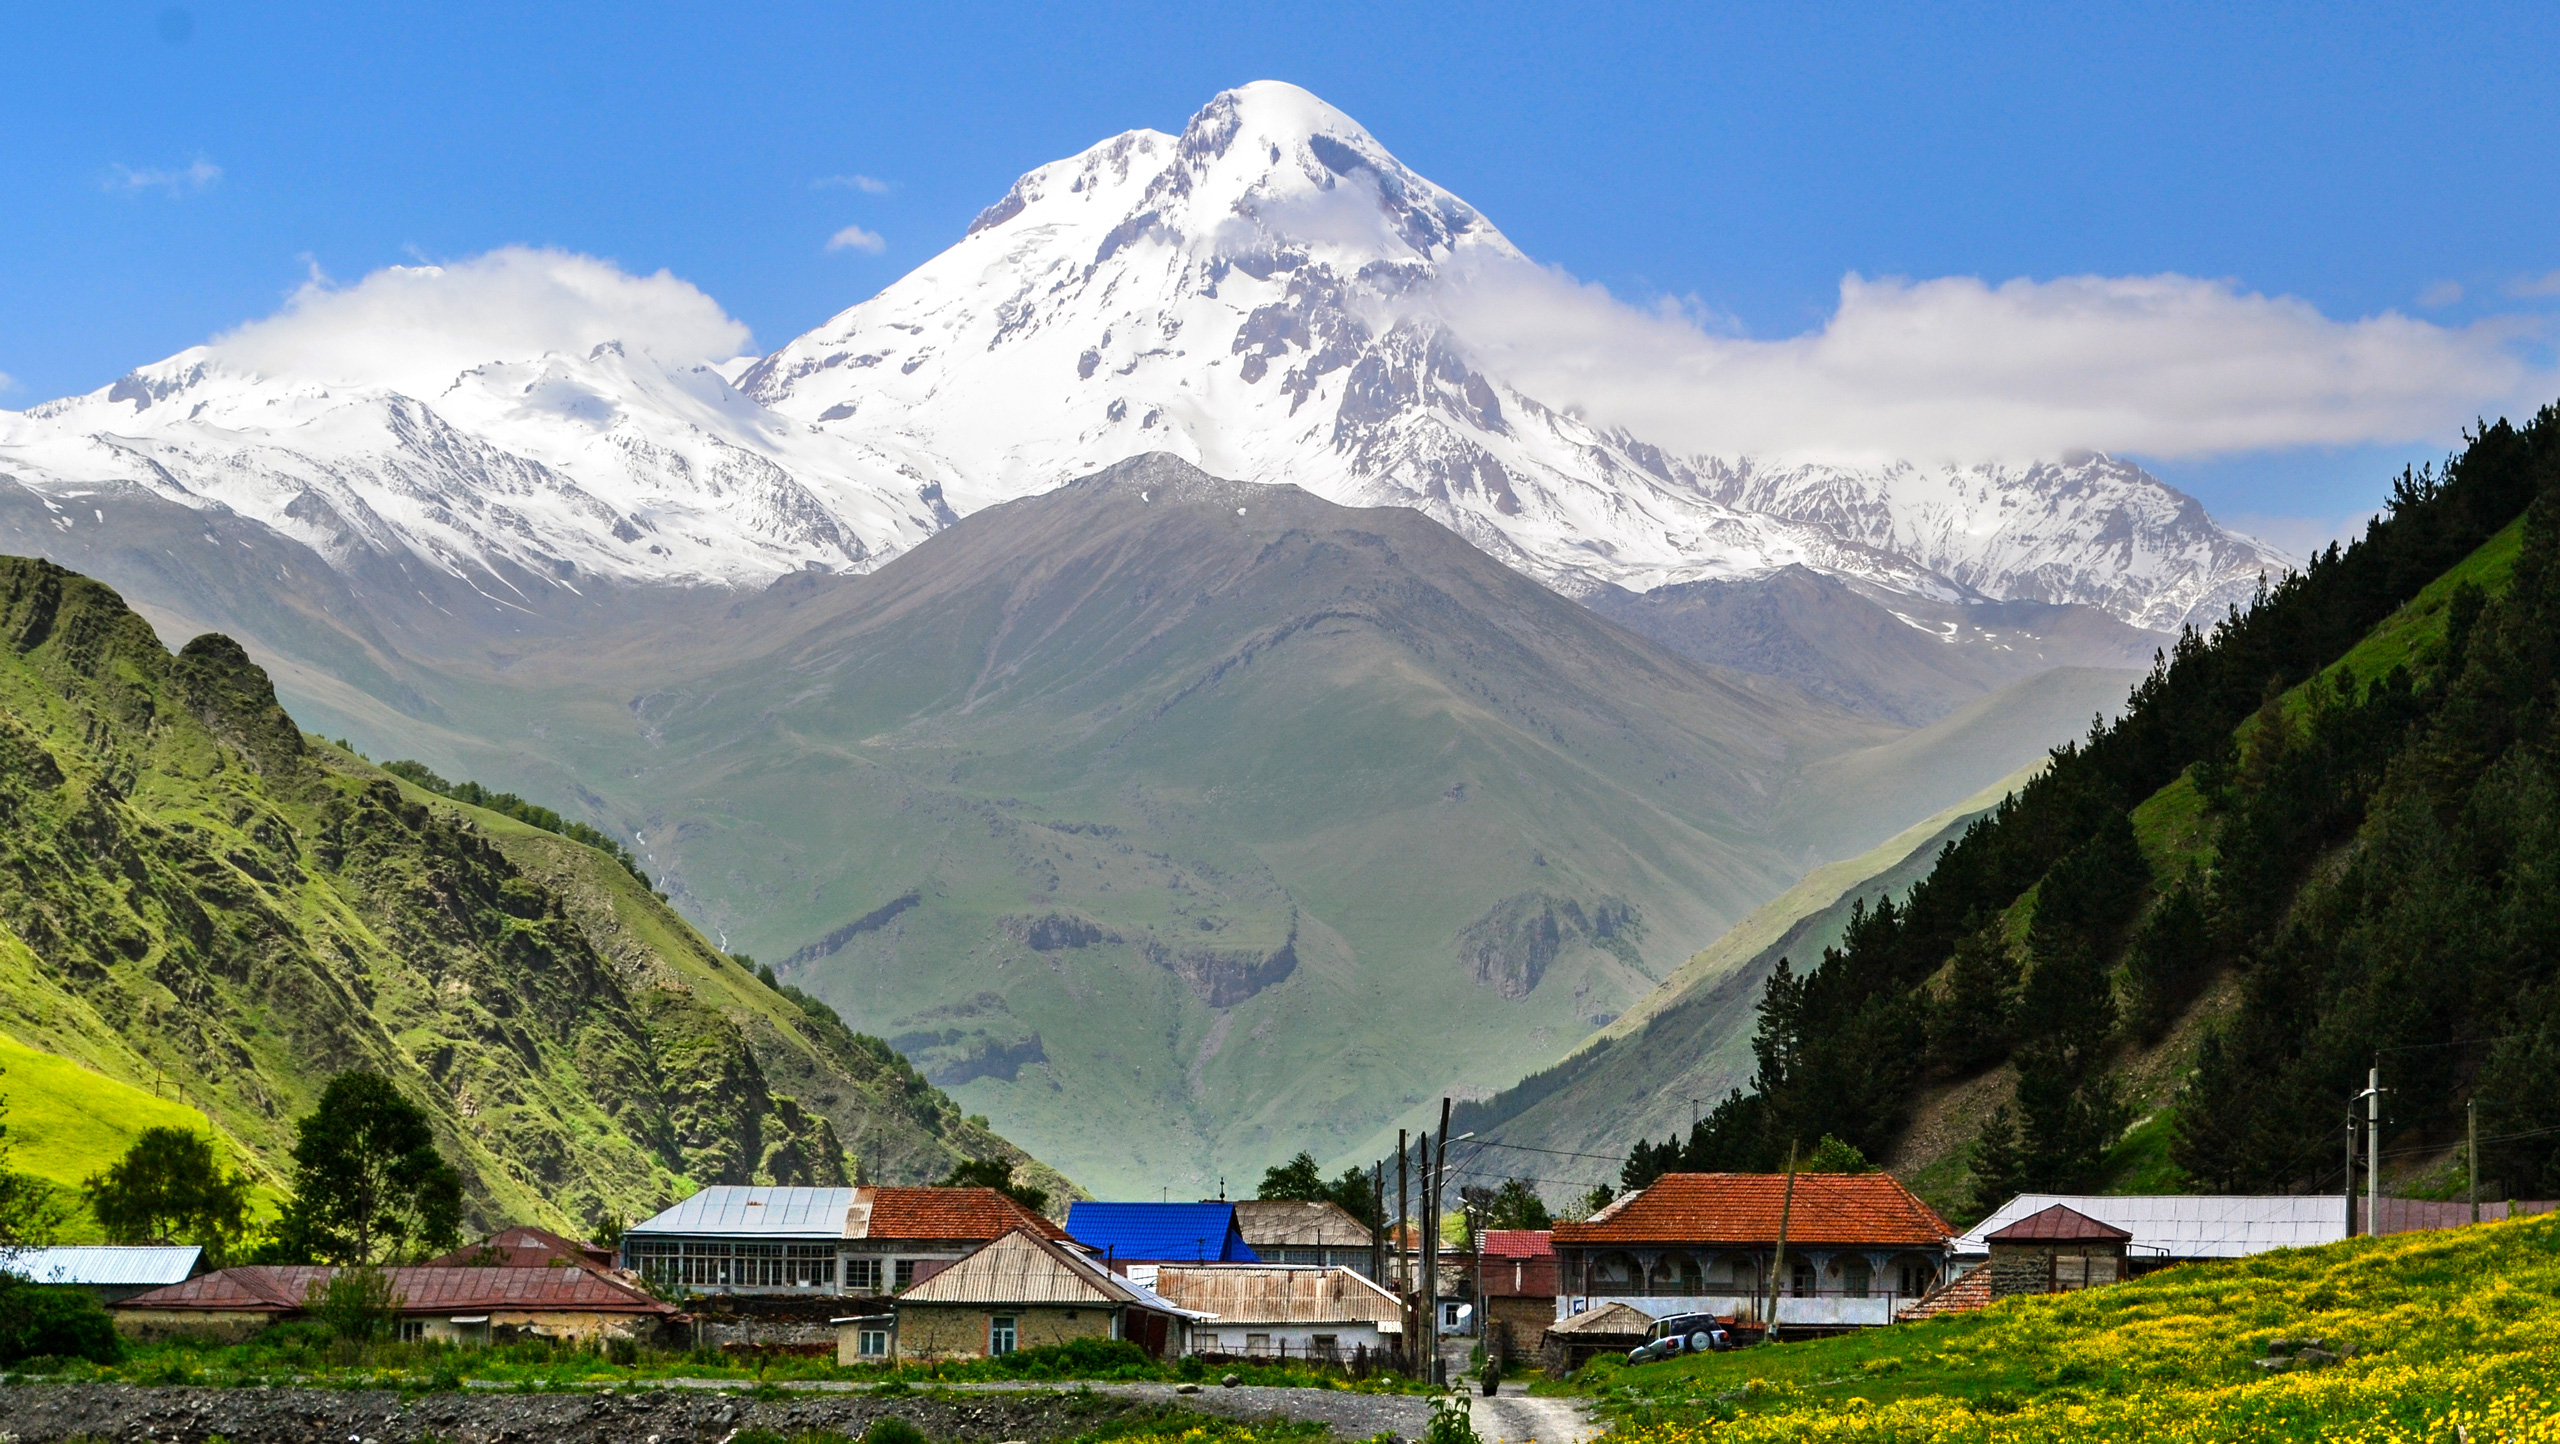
1264, 1294
105, 1265
1161, 1232
1294, 1223
1608, 1321
2187, 1225
731, 1208
420, 1289
1511, 1243
1024, 1268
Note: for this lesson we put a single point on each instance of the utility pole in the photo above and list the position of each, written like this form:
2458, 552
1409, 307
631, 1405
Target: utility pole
2347, 1180
2471, 1153
1431, 1266
2373, 1150
1778, 1262
1378, 1234
1404, 1273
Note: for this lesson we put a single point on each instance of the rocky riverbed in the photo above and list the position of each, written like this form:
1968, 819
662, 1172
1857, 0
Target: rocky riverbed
32, 1413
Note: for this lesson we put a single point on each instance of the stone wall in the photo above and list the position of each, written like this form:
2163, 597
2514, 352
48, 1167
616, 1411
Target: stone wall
948, 1331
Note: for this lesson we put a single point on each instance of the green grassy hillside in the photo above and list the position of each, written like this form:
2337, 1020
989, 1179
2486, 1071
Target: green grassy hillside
194, 891
2448, 1336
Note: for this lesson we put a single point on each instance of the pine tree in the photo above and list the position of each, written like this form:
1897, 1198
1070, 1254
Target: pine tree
1995, 1162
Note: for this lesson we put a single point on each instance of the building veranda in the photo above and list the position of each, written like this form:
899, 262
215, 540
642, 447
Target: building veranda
1856, 1245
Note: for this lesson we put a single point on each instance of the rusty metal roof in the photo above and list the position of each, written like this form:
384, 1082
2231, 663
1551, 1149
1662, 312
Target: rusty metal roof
422, 1289
1276, 1294
1742, 1209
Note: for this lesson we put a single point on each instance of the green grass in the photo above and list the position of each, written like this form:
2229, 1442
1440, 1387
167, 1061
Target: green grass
304, 1352
66, 1122
2453, 1328
2140, 1162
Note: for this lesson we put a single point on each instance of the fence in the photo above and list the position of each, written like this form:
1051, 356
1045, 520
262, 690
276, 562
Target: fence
2412, 1215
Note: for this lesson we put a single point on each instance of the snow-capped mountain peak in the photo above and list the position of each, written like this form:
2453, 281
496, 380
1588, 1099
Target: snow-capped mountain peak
1252, 295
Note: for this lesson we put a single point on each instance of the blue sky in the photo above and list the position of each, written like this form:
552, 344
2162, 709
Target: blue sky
176, 170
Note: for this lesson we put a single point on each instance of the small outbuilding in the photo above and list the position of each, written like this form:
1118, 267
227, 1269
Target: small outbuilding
2055, 1250
1608, 1328
1281, 1311
1021, 1291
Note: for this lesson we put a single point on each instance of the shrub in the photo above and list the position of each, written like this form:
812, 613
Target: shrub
36, 1320
355, 1303
890, 1429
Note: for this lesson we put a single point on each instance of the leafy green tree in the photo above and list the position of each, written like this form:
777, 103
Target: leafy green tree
1832, 1155
170, 1187
1996, 1164
1356, 1192
1298, 1180
354, 1303
997, 1173
368, 1183
1516, 1204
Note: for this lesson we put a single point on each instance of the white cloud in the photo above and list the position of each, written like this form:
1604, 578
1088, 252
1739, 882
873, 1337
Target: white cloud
1957, 369
2442, 293
2544, 285
863, 183
8, 383
415, 327
197, 177
855, 238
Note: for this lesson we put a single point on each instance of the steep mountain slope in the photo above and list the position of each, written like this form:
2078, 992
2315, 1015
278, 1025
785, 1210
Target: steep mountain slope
1168, 818
2311, 842
1687, 1044
1901, 658
191, 888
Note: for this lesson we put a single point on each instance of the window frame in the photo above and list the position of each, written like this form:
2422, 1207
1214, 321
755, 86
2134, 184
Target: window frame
1004, 1334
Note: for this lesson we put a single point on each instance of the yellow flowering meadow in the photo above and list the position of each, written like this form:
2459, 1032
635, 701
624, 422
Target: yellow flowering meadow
2456, 1338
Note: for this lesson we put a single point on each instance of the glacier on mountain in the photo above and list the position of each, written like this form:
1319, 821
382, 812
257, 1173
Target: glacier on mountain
1252, 295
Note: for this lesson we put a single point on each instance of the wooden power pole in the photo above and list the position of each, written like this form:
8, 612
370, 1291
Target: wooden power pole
1778, 1262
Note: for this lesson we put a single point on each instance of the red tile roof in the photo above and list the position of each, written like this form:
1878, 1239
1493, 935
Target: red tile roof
1742, 1209
1962, 1294
2059, 1224
973, 1215
1519, 1243
424, 1289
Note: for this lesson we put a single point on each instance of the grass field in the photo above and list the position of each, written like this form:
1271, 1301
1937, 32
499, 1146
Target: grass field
66, 1122
2457, 1337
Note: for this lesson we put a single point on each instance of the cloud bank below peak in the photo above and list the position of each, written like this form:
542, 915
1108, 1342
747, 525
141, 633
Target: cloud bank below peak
414, 328
1959, 370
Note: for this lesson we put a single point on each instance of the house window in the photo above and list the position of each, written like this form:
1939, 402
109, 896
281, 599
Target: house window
1858, 1277
873, 1344
862, 1275
1803, 1279
413, 1331
1917, 1279
1325, 1346
906, 1274
809, 1265
1448, 1316
1257, 1346
1000, 1332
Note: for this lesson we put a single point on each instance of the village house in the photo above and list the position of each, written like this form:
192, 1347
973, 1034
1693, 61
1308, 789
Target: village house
2055, 1250
1516, 1297
859, 1242
1295, 1232
2162, 1229
1023, 1290
455, 1305
1856, 1245
1280, 1311
109, 1272
1120, 1233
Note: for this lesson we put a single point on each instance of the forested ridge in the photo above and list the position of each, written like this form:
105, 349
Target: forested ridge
2378, 876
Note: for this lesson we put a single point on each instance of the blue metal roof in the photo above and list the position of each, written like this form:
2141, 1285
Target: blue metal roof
1160, 1232
103, 1264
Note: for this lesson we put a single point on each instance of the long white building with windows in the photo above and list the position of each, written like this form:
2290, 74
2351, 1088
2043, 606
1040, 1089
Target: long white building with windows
860, 1242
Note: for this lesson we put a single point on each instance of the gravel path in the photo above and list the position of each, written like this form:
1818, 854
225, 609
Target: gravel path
1510, 1418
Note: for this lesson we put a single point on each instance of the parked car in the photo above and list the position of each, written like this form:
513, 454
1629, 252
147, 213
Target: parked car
1682, 1334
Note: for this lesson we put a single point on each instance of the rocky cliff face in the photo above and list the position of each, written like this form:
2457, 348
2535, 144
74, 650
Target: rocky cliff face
193, 888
